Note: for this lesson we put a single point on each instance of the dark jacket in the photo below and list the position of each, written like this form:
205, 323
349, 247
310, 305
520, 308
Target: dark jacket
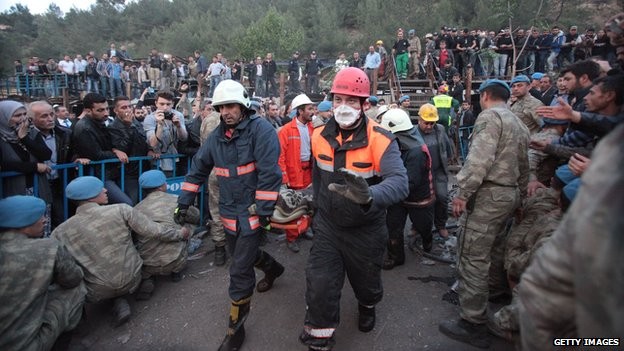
91, 140
131, 140
417, 161
269, 68
247, 171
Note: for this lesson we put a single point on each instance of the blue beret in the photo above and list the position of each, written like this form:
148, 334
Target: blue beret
84, 188
293, 113
520, 79
20, 211
373, 99
324, 106
152, 179
537, 75
403, 98
571, 189
411, 31
491, 82
553, 121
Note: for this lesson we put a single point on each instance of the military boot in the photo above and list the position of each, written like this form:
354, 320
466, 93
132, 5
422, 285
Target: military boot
220, 256
396, 254
235, 335
121, 311
366, 318
272, 270
467, 332
146, 289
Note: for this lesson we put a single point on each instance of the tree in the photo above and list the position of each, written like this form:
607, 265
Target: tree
269, 34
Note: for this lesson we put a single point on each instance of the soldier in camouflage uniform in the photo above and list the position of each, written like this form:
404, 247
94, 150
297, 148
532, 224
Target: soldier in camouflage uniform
414, 54
100, 239
210, 123
42, 292
491, 183
525, 104
160, 255
541, 164
573, 288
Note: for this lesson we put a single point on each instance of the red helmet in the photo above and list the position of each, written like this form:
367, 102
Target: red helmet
351, 81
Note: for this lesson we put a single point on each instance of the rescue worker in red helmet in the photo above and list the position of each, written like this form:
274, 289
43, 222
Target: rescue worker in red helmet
358, 173
243, 151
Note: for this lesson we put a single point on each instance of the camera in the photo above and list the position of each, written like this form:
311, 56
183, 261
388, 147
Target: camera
168, 115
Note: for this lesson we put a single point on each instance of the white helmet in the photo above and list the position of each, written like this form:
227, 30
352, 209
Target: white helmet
230, 92
299, 100
396, 120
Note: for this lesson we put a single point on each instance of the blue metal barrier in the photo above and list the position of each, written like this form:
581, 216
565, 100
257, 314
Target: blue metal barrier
173, 182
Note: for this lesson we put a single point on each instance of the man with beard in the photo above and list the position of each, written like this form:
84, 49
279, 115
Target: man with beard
244, 152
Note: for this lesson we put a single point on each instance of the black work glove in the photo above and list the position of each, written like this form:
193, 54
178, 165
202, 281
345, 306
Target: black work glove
265, 222
355, 187
179, 215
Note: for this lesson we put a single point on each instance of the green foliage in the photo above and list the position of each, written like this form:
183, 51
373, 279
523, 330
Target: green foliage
272, 34
245, 28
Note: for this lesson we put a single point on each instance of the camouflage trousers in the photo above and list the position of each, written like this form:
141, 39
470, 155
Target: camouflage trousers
481, 249
216, 227
174, 266
62, 313
507, 317
100, 291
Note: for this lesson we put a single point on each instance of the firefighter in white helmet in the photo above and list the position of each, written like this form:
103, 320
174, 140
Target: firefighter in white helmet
243, 151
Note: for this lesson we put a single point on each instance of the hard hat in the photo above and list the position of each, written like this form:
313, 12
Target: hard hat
379, 42
351, 81
380, 112
443, 89
230, 92
299, 100
396, 120
428, 113
428, 35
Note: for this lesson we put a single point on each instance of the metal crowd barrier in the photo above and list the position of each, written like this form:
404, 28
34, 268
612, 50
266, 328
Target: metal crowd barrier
65, 172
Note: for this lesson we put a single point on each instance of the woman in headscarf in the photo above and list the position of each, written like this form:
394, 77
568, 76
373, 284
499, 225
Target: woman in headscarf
23, 153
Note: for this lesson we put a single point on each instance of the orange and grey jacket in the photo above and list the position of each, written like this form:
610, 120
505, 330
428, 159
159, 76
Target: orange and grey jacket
369, 151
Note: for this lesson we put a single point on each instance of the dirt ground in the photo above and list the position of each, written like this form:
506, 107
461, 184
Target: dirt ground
192, 314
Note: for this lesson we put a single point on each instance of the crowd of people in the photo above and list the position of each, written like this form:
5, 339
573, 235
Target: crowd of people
537, 189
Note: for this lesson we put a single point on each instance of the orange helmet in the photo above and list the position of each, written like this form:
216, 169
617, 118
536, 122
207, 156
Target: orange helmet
351, 81
443, 89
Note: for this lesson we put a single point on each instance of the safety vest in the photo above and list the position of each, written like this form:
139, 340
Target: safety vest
443, 101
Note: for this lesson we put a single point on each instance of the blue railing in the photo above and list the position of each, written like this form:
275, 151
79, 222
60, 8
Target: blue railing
63, 170
47, 85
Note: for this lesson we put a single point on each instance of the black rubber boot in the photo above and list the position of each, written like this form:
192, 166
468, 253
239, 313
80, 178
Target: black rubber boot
467, 332
366, 318
220, 256
272, 270
396, 254
235, 335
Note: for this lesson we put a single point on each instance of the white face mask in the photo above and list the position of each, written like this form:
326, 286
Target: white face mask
346, 115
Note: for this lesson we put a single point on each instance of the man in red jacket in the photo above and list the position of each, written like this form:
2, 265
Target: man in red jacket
295, 153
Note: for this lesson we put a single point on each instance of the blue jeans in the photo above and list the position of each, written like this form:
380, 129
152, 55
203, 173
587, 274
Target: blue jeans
92, 85
260, 86
115, 87
500, 65
214, 81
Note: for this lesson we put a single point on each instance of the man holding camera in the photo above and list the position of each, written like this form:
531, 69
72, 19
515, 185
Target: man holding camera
164, 129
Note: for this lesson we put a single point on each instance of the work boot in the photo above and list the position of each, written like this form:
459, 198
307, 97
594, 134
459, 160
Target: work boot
366, 318
121, 311
271, 268
220, 256
176, 276
145, 289
293, 246
396, 254
466, 332
235, 335
427, 242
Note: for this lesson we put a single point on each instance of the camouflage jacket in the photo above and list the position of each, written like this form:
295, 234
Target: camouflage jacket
159, 207
100, 239
542, 167
498, 153
29, 267
524, 108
